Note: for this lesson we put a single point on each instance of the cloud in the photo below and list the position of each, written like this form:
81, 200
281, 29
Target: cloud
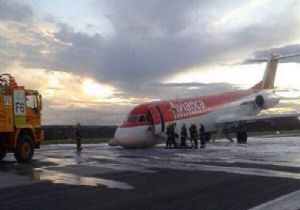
14, 10
153, 40
192, 84
179, 90
68, 98
85, 116
150, 42
151, 18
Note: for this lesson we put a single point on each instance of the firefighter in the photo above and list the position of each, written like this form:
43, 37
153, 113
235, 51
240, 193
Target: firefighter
202, 134
174, 135
169, 136
193, 135
183, 135
241, 133
77, 131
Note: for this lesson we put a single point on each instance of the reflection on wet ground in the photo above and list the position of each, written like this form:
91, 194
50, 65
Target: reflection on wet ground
271, 157
72, 179
48, 170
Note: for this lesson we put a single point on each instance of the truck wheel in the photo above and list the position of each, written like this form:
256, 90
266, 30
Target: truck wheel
2, 153
25, 149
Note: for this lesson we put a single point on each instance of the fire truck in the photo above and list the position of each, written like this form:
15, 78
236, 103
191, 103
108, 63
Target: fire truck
20, 119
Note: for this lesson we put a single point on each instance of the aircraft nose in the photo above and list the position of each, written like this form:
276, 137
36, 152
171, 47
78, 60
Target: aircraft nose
133, 137
121, 136
125, 138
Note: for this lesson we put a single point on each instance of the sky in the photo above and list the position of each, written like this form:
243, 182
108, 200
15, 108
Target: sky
94, 60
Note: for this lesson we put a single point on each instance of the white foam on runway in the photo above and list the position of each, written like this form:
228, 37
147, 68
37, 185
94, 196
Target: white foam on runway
282, 151
277, 151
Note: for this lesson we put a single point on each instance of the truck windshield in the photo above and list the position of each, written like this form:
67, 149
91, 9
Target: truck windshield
31, 101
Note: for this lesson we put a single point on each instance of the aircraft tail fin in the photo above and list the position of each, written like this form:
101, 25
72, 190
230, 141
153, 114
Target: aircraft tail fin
270, 72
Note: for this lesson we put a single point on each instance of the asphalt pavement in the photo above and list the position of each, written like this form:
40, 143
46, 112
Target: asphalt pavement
263, 174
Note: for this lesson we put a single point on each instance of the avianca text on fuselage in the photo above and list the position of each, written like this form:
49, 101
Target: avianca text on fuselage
187, 108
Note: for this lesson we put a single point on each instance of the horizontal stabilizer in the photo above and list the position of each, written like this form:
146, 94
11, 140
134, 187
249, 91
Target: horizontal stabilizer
288, 56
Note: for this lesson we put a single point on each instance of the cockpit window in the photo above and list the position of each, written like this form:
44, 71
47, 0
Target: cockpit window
135, 118
132, 118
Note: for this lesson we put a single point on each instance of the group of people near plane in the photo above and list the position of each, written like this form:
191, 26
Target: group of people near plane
194, 135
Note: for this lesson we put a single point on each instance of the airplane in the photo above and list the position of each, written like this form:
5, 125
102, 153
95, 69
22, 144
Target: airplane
145, 125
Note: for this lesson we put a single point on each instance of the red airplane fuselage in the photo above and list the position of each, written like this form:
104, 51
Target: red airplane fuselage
146, 122
145, 125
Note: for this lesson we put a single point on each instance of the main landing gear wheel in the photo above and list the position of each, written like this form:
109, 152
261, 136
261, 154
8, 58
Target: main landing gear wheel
241, 137
2, 153
25, 149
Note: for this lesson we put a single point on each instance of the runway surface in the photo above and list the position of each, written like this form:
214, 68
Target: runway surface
264, 174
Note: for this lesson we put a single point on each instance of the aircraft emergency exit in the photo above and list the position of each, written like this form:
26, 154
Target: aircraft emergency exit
146, 123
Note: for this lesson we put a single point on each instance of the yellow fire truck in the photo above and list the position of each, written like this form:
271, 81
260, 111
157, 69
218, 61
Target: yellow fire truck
20, 119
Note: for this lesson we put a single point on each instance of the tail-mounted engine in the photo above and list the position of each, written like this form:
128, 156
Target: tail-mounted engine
266, 100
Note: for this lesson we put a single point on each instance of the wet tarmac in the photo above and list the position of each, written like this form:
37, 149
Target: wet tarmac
263, 174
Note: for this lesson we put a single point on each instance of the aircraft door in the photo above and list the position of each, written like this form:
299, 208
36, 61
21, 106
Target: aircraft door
156, 120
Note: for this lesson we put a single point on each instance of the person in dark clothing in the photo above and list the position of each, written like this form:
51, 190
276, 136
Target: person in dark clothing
202, 133
174, 136
242, 133
193, 135
171, 135
77, 131
183, 136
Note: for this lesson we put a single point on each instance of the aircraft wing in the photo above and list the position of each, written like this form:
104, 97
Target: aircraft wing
260, 120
